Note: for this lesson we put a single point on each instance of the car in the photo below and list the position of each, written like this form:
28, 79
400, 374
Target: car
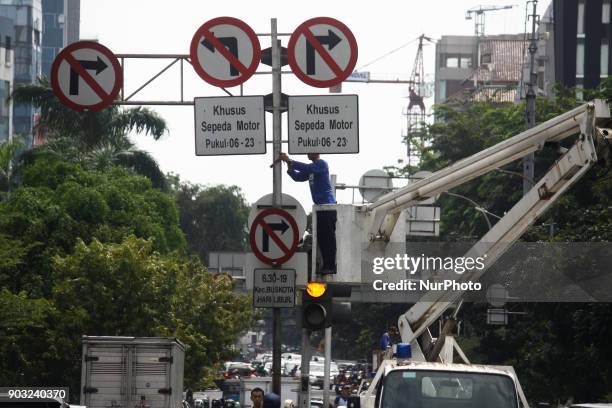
316, 374
290, 367
318, 403
238, 370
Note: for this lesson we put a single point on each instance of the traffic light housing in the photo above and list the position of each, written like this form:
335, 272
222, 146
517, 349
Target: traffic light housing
318, 307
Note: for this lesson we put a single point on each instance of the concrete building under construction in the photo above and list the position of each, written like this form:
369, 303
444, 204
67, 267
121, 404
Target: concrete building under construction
474, 68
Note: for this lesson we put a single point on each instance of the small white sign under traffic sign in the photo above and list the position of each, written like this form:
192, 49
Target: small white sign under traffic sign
274, 288
323, 124
230, 125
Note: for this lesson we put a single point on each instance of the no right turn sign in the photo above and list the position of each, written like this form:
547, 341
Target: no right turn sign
322, 52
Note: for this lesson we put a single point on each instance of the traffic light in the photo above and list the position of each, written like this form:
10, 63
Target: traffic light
318, 307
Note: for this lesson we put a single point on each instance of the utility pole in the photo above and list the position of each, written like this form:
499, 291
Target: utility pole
276, 193
530, 97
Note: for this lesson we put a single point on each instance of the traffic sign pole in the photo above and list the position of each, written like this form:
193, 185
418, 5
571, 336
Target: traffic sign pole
276, 194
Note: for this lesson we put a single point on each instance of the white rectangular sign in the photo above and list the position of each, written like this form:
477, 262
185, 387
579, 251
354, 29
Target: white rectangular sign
274, 288
323, 124
358, 77
229, 125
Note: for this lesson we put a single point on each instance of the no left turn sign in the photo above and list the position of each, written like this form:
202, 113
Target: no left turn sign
322, 52
86, 76
225, 51
274, 236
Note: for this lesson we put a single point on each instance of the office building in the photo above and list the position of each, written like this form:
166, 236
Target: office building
26, 16
7, 35
60, 28
579, 34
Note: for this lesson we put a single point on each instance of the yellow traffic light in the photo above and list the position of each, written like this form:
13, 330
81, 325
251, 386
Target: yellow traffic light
316, 289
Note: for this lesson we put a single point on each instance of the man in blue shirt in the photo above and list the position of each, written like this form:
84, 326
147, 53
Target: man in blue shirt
343, 399
317, 174
386, 338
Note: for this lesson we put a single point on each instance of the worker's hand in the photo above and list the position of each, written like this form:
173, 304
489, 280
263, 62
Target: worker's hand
284, 157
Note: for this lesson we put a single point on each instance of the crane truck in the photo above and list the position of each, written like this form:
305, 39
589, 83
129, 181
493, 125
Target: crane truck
430, 378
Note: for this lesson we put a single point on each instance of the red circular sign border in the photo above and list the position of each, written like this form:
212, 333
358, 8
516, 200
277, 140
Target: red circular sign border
252, 232
296, 68
114, 63
197, 66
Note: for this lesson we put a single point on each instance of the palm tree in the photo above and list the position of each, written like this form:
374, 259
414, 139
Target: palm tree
9, 152
94, 139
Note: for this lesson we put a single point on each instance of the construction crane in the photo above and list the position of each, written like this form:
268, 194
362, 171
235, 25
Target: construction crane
479, 13
415, 113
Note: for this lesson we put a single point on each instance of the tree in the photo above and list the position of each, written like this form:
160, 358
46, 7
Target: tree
212, 218
101, 252
94, 139
123, 289
554, 339
9, 152
558, 349
59, 202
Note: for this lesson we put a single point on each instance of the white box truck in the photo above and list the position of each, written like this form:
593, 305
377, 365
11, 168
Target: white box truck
130, 372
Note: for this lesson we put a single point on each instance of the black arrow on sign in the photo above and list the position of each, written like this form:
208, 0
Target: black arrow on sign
98, 65
231, 43
331, 39
279, 226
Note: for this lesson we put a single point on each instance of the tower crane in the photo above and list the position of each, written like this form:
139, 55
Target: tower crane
415, 113
478, 13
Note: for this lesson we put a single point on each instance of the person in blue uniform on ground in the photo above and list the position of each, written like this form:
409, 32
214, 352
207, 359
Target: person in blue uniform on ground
342, 399
317, 174
386, 340
271, 400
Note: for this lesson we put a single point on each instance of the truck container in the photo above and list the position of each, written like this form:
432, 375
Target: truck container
129, 372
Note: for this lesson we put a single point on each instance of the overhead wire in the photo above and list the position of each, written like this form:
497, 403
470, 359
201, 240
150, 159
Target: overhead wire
387, 54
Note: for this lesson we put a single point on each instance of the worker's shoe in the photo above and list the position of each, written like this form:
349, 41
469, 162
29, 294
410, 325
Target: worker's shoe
327, 271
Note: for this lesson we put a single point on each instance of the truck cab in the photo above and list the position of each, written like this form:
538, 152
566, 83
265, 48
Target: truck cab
441, 385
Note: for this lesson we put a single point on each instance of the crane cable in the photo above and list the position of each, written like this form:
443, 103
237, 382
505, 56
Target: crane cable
387, 54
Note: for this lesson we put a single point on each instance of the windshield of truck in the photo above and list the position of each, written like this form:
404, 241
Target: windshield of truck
442, 389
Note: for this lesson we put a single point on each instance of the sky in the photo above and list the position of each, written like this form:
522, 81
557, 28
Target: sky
167, 27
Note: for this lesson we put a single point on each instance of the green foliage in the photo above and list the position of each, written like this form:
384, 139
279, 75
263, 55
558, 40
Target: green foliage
88, 128
128, 289
60, 202
96, 140
212, 218
87, 247
124, 289
101, 253
560, 350
9, 152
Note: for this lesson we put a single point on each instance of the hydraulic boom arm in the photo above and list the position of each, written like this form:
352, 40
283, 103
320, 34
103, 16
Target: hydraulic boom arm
570, 167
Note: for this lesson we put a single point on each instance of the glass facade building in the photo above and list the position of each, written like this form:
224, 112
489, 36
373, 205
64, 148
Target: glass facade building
60, 28
7, 34
582, 35
27, 19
